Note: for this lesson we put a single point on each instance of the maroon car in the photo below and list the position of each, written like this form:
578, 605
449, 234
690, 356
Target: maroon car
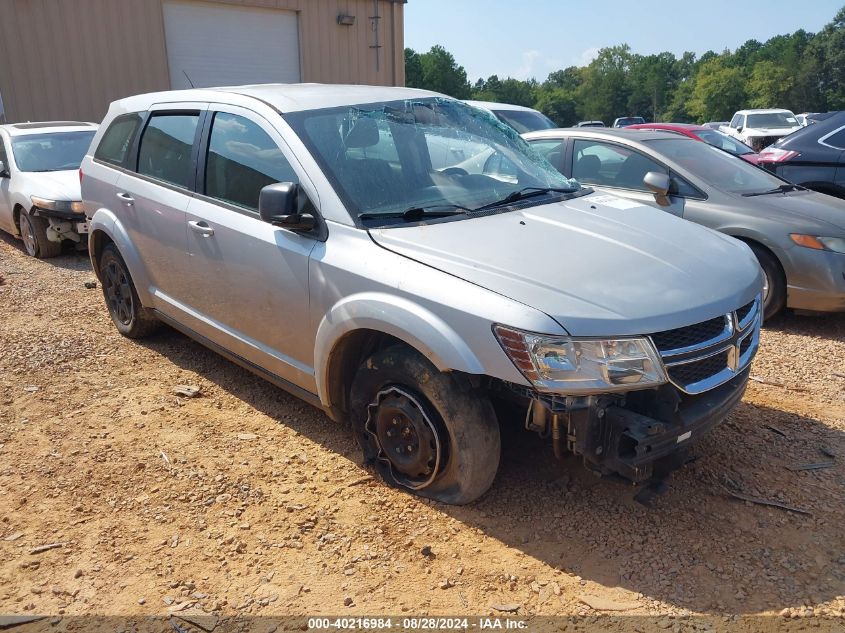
706, 134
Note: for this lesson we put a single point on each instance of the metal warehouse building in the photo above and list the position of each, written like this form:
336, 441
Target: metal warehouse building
68, 59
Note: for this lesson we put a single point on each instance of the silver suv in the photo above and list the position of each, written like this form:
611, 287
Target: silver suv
406, 262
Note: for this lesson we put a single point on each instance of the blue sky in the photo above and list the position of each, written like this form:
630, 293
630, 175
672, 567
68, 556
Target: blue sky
530, 38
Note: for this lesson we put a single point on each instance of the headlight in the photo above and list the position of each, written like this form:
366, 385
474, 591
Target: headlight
58, 205
581, 366
835, 244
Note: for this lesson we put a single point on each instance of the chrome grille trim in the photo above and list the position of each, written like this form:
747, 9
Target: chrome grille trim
738, 342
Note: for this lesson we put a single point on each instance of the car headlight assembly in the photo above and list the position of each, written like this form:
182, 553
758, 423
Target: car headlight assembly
835, 244
582, 366
58, 205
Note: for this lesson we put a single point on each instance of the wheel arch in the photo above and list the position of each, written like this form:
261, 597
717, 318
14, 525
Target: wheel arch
754, 240
362, 324
104, 228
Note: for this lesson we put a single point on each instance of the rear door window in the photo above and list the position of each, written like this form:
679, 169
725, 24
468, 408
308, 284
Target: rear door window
115, 144
242, 159
167, 146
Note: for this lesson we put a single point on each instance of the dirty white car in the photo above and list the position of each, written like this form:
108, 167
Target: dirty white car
40, 200
761, 128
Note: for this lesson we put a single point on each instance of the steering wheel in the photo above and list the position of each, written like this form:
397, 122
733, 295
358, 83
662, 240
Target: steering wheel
454, 171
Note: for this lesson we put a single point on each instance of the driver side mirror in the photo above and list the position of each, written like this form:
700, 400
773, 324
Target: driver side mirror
4, 171
739, 128
278, 205
659, 184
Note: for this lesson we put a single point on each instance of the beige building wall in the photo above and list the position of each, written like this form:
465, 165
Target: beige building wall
68, 59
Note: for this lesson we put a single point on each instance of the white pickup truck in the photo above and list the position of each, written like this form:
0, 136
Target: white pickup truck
761, 128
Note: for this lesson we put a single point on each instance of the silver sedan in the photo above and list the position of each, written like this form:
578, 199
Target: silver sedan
797, 235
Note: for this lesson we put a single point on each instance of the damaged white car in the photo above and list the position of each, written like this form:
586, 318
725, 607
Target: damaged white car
40, 201
761, 128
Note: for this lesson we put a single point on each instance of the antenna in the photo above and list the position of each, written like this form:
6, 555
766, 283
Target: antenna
188, 78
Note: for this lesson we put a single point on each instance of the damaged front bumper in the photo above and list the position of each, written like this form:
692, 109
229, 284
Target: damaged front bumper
640, 436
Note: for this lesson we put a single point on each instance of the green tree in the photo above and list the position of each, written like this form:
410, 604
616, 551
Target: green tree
441, 73
604, 93
413, 69
769, 85
568, 79
507, 91
557, 104
652, 79
719, 92
831, 44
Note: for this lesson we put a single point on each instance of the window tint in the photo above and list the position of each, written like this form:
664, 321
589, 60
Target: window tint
612, 165
116, 141
166, 147
242, 160
837, 140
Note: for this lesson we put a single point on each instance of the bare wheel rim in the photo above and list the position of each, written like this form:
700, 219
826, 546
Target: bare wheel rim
28, 235
409, 443
118, 293
766, 287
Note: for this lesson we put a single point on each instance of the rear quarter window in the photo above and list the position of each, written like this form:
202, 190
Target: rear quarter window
115, 144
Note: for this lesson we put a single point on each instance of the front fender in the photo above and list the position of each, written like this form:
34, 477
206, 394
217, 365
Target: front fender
106, 222
398, 317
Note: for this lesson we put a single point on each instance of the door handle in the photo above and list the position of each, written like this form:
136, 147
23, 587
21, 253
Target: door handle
201, 227
125, 198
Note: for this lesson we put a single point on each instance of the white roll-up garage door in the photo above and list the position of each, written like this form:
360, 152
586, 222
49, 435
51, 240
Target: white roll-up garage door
219, 45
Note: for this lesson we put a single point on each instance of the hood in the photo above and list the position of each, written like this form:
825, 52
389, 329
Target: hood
599, 265
805, 211
53, 185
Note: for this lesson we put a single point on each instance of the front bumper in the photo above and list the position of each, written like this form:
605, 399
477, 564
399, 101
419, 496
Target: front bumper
70, 216
815, 280
646, 435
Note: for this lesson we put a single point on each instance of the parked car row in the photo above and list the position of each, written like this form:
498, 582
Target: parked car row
410, 264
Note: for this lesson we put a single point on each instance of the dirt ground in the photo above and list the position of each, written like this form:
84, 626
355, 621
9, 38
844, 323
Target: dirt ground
245, 500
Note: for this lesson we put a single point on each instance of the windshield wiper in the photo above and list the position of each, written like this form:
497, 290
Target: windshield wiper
785, 188
414, 214
522, 194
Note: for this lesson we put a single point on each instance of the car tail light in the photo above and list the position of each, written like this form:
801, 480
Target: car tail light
80, 175
777, 155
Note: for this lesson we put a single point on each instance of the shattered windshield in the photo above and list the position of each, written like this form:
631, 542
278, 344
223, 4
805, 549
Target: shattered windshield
386, 158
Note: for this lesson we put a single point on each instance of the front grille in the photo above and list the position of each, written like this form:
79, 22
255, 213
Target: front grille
705, 355
689, 336
696, 371
759, 143
744, 311
746, 343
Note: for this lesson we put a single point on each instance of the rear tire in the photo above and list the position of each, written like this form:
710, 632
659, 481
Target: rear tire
398, 400
130, 318
774, 293
34, 235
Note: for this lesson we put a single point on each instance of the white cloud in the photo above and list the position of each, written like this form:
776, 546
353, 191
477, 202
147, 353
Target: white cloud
529, 62
587, 56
